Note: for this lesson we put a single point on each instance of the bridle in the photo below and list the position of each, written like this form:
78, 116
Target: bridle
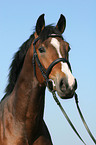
46, 73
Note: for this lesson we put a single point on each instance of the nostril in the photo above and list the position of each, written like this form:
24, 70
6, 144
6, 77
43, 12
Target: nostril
75, 85
63, 85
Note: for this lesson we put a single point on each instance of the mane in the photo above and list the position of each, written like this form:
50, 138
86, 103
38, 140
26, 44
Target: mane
17, 64
19, 57
50, 29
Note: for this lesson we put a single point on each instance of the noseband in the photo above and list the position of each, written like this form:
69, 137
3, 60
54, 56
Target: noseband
45, 72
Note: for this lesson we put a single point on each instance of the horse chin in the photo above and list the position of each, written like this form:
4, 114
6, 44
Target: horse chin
65, 95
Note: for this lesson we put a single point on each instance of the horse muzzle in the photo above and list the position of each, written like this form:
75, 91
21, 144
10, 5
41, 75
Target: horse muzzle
62, 87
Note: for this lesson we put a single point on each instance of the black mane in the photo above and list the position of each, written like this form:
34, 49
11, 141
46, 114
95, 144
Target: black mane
17, 64
49, 30
19, 56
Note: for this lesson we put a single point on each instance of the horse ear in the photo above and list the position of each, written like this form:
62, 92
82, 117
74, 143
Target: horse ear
40, 24
61, 24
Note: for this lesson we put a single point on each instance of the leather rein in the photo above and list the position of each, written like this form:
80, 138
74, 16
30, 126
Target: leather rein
45, 74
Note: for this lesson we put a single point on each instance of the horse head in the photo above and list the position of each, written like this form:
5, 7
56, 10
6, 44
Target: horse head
52, 54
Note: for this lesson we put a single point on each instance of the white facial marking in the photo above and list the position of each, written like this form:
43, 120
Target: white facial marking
66, 70
56, 44
64, 66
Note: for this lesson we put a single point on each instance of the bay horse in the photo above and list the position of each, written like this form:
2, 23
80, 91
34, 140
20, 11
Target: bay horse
41, 61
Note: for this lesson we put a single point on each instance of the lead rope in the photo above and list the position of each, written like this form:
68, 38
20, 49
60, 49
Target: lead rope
66, 116
83, 120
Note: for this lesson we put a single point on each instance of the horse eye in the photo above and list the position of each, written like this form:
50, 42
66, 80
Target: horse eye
41, 49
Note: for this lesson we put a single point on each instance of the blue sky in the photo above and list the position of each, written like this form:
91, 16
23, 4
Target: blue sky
17, 21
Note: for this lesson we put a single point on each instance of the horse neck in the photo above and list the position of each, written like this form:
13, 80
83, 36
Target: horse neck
29, 93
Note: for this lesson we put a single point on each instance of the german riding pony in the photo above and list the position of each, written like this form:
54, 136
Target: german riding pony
41, 61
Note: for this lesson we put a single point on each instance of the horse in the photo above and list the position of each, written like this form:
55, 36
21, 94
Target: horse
42, 61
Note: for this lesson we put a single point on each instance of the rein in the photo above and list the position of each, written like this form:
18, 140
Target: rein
45, 74
69, 121
83, 120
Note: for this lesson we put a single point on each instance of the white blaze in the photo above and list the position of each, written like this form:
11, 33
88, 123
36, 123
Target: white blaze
64, 66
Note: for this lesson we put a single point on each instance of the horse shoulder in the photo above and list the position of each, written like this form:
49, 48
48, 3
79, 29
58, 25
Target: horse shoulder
12, 131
